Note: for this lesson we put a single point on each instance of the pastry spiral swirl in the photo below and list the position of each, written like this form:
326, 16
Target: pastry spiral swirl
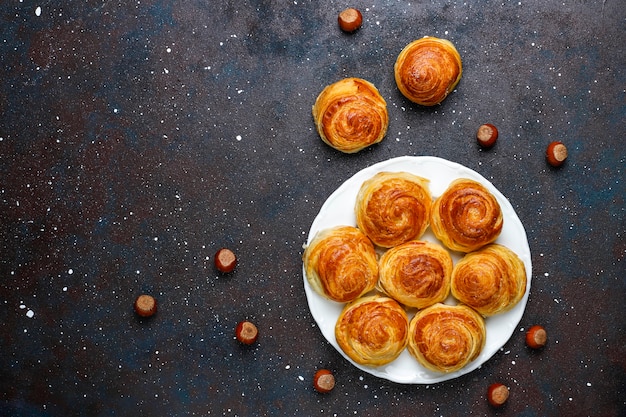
416, 273
491, 280
446, 338
341, 264
372, 330
351, 115
393, 208
466, 216
427, 70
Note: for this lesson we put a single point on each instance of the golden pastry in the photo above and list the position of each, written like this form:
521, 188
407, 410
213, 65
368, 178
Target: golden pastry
446, 338
416, 273
466, 216
351, 115
393, 208
427, 70
372, 330
491, 280
341, 264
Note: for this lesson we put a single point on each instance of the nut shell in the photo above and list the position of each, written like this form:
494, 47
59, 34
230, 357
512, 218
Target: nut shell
145, 305
487, 135
536, 337
225, 260
497, 394
556, 153
323, 381
246, 332
350, 20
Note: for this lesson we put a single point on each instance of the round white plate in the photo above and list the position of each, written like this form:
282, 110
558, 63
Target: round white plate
339, 210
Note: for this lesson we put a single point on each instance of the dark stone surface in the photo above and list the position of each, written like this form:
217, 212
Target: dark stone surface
137, 138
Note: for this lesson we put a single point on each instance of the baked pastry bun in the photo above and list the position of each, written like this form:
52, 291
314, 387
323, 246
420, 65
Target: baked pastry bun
466, 216
427, 70
351, 115
491, 280
393, 208
341, 263
372, 330
446, 338
416, 273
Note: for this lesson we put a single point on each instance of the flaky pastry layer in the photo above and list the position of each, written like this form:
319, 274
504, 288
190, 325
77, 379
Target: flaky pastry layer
393, 208
491, 280
341, 263
416, 273
351, 115
446, 338
466, 216
372, 330
427, 70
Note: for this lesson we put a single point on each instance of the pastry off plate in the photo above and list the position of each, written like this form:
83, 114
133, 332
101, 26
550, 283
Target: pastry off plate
339, 210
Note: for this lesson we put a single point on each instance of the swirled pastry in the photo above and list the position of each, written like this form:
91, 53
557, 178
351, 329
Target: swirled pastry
416, 273
491, 280
466, 216
446, 338
393, 208
427, 70
351, 115
372, 330
341, 264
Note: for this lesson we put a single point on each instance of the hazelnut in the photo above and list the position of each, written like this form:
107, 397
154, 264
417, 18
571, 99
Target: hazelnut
323, 381
536, 337
145, 305
246, 332
487, 135
350, 20
556, 153
497, 394
225, 260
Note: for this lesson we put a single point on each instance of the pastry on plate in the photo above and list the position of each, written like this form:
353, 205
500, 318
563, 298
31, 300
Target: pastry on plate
466, 216
372, 330
340, 263
427, 70
416, 273
351, 115
393, 208
491, 280
445, 338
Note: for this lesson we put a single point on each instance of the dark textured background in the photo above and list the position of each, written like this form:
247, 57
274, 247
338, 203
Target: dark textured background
138, 137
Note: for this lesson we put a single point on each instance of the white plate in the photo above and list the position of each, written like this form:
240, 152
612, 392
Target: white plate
339, 210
